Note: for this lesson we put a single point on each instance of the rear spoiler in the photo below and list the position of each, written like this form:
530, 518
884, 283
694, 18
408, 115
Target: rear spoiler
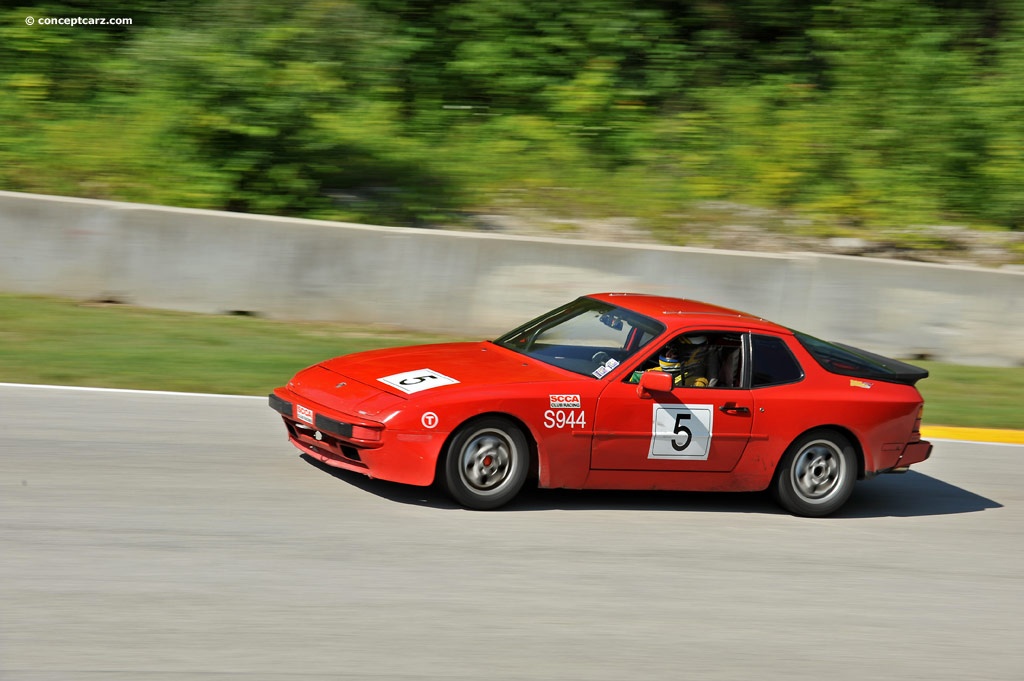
895, 370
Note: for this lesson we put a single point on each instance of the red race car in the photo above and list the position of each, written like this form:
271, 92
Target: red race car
616, 391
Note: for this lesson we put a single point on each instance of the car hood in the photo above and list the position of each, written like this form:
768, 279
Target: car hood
455, 364
367, 383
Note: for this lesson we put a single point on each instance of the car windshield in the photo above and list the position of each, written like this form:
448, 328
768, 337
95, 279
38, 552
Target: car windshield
586, 336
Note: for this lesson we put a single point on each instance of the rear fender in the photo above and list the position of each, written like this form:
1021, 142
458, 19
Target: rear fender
849, 434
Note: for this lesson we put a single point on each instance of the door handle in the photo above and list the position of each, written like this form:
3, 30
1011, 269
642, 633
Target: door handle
733, 409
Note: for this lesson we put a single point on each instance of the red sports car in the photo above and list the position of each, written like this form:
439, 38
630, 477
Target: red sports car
617, 391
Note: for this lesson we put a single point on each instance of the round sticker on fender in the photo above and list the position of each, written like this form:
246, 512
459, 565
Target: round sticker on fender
681, 431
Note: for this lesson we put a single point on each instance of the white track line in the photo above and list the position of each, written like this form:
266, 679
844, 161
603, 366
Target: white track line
127, 391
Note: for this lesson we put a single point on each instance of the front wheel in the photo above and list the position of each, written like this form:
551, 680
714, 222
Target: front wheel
486, 463
816, 475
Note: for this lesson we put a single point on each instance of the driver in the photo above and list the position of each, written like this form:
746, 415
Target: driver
690, 372
668, 361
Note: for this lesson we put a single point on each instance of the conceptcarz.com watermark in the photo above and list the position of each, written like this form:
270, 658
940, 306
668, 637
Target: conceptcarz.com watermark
78, 21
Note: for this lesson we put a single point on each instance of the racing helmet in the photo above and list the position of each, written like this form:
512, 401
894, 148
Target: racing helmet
668, 360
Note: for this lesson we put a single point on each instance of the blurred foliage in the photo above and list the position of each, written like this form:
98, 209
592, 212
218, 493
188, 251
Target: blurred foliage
875, 113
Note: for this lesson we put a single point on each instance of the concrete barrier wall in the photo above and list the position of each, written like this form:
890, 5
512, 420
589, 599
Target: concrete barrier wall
482, 284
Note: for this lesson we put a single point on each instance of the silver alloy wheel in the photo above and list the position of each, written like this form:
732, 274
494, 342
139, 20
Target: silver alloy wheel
816, 475
486, 463
818, 470
487, 460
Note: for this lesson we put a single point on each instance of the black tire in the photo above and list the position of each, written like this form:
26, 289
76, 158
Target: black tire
486, 463
816, 474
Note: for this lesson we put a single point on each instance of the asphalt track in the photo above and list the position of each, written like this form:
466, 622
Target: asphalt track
150, 537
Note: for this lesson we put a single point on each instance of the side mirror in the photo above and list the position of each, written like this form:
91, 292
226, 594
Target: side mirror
654, 382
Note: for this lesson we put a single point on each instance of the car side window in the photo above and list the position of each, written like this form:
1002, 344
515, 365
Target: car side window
709, 359
773, 363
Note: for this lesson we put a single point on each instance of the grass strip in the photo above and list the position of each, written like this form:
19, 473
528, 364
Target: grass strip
55, 341
50, 341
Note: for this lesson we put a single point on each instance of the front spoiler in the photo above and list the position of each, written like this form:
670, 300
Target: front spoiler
405, 457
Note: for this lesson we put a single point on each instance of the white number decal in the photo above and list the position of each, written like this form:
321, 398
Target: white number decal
681, 431
415, 381
560, 418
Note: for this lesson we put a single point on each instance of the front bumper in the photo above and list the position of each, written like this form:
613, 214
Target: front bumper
328, 436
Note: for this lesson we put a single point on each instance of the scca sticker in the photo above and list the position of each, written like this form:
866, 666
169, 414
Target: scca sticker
681, 431
414, 381
565, 401
303, 413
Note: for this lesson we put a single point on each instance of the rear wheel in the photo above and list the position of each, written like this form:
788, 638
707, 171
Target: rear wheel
486, 463
816, 475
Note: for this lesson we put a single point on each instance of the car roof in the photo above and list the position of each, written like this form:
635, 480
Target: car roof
674, 312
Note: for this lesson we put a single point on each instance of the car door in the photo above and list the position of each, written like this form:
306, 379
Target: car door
683, 429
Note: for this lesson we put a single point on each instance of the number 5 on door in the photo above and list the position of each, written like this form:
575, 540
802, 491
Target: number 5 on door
681, 431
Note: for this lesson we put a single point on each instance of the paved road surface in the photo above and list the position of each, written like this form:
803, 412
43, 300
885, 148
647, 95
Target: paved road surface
158, 537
